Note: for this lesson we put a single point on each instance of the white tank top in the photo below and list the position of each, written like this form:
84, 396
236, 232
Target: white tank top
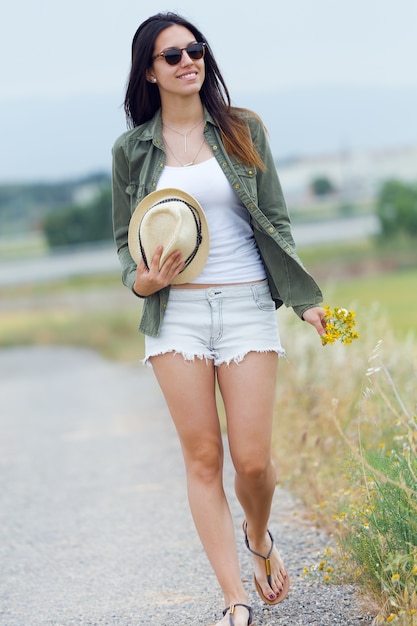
234, 255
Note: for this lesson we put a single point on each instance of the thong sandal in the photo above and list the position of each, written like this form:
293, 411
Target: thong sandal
286, 587
231, 610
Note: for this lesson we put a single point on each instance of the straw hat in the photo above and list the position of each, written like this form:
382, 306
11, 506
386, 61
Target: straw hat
174, 219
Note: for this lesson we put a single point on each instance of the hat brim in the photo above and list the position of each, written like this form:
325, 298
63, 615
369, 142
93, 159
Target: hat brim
196, 266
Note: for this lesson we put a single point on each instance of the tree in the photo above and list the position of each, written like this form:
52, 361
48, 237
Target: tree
322, 186
77, 223
397, 208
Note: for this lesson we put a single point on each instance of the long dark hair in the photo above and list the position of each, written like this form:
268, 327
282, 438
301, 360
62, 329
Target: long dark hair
142, 98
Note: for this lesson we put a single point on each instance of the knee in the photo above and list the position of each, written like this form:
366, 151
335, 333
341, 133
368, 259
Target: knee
205, 462
254, 469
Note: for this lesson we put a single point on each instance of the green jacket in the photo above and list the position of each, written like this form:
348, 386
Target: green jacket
138, 160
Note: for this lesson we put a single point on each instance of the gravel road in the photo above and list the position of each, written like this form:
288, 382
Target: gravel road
94, 523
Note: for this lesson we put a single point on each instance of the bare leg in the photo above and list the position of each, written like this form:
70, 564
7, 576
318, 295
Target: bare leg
189, 389
248, 391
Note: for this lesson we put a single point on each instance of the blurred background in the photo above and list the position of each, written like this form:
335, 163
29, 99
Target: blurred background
335, 84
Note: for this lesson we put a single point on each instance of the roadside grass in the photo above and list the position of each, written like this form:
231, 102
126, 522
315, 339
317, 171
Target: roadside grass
93, 312
112, 333
345, 431
345, 441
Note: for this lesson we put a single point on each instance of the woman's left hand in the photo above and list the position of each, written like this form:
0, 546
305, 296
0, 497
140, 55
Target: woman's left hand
316, 316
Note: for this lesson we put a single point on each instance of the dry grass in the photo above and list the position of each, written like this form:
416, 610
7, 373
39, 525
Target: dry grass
346, 443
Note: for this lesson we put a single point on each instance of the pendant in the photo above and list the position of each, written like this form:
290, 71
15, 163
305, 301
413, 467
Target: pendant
188, 164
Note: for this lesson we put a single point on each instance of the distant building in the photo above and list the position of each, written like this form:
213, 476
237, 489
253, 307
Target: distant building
355, 175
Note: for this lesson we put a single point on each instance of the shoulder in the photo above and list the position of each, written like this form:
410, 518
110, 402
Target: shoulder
254, 122
250, 117
143, 132
129, 136
120, 142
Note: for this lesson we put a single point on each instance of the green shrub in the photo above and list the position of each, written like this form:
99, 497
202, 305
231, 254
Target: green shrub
397, 208
78, 224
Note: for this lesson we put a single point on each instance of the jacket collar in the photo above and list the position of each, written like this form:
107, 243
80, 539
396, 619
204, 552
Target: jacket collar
152, 130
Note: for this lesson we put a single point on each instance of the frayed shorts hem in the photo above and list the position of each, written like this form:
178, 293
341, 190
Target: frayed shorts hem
191, 357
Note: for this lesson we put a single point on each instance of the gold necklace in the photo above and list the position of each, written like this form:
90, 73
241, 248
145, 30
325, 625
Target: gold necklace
177, 159
185, 135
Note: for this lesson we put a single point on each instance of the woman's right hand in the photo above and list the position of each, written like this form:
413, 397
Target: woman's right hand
150, 281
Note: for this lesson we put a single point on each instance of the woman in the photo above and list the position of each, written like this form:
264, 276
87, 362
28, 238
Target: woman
223, 324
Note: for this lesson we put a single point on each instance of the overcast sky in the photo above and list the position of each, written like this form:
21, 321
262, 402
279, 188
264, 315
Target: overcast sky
51, 51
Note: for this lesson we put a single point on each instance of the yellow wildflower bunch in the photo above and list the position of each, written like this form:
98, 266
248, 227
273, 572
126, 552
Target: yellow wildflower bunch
340, 326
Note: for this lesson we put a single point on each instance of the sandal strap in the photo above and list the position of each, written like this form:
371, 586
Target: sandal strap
231, 610
262, 556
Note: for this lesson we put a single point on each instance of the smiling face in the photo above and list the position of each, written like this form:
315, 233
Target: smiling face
185, 78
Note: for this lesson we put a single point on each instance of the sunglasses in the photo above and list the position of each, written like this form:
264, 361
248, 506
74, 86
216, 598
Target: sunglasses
174, 55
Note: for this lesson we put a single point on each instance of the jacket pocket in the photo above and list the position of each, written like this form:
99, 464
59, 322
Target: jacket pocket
247, 180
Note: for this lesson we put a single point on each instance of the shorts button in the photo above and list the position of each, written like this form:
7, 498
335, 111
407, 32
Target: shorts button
211, 293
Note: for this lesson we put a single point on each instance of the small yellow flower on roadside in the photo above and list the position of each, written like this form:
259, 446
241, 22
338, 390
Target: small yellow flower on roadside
340, 326
391, 617
395, 577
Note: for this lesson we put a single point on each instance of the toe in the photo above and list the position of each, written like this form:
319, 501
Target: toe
278, 580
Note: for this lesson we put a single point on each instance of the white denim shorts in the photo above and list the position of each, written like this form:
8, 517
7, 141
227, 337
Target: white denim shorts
221, 323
